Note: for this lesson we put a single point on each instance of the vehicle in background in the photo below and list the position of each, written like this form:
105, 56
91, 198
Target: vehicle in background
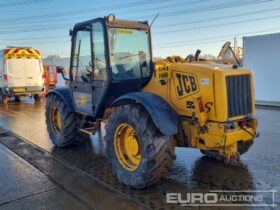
228, 56
50, 76
21, 73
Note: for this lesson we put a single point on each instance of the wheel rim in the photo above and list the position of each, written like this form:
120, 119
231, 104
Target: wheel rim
56, 121
127, 147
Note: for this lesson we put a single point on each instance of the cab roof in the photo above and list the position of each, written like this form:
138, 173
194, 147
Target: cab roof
118, 23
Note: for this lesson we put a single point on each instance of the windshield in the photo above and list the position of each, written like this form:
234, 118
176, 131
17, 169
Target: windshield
129, 53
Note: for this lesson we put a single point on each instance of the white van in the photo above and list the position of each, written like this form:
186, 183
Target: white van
21, 73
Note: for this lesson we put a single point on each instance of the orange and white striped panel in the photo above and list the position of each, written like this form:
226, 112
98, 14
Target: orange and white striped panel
19, 53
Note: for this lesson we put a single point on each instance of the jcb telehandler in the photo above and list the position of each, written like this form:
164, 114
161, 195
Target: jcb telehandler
149, 108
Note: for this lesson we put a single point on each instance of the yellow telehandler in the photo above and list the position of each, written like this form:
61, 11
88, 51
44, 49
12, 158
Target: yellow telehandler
148, 108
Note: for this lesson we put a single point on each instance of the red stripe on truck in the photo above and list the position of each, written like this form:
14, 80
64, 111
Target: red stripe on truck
30, 51
16, 51
6, 51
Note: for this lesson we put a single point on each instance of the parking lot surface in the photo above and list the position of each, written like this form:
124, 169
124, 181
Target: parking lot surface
24, 187
191, 172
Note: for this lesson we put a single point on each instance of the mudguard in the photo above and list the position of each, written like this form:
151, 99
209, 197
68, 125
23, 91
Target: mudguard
163, 115
64, 94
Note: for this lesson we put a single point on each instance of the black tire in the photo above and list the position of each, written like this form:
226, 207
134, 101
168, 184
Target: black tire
37, 97
157, 150
70, 133
212, 154
3, 98
17, 98
242, 147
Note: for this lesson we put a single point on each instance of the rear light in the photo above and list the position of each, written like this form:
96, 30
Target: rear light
200, 104
5, 77
199, 111
243, 123
43, 76
252, 123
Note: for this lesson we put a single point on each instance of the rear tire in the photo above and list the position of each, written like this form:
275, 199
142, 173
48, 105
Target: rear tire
3, 98
242, 148
37, 97
156, 150
214, 154
66, 132
17, 98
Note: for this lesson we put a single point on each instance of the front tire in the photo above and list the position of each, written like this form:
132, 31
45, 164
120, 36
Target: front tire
62, 125
139, 154
37, 97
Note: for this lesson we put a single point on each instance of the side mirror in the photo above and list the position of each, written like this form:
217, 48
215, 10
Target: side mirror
61, 70
70, 32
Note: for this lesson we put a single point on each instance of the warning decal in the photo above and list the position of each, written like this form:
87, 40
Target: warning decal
18, 53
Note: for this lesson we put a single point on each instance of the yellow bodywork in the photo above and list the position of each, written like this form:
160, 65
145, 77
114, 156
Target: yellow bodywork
56, 119
205, 129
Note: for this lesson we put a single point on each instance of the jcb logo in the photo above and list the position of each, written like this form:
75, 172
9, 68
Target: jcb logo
185, 84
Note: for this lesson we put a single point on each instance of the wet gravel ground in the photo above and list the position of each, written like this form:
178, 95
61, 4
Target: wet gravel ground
191, 172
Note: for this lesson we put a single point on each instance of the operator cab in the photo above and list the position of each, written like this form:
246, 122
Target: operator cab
109, 58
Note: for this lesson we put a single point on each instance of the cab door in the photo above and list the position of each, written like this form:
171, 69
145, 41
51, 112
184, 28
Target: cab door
100, 68
81, 80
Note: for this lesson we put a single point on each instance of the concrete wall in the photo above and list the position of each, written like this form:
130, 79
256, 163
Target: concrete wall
262, 55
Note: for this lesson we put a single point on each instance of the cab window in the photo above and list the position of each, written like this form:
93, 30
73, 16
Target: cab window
99, 59
129, 53
82, 57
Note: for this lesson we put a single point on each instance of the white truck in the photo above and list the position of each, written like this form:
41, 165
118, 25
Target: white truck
21, 73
